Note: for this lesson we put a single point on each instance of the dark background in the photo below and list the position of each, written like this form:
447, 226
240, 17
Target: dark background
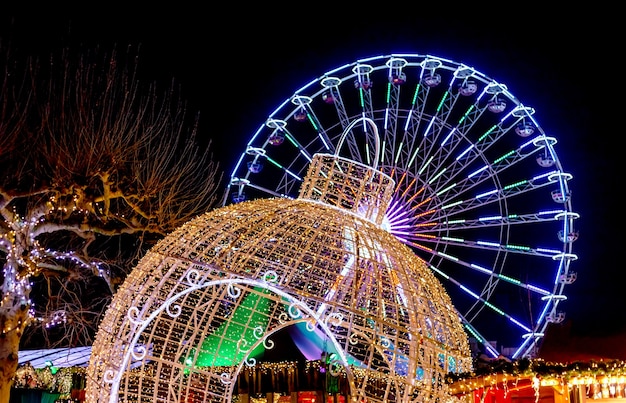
237, 63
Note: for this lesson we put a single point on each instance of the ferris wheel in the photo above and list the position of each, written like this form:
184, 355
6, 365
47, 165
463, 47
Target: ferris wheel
480, 193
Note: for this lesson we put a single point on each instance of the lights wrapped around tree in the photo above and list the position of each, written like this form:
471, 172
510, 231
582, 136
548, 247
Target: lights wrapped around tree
206, 300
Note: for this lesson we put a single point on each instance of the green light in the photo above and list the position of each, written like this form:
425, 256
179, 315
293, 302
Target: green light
227, 345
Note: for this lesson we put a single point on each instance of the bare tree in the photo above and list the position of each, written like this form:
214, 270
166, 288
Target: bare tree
95, 166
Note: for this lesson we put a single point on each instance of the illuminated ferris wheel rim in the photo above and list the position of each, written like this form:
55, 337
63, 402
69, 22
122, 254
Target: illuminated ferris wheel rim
394, 62
393, 159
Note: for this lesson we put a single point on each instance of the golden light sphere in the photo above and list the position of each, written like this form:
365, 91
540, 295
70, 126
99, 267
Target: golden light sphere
193, 312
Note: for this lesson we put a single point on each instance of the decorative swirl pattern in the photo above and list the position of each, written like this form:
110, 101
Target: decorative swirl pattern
139, 352
334, 319
193, 277
294, 311
268, 344
334, 368
225, 378
258, 332
283, 318
270, 276
174, 310
233, 291
242, 345
250, 361
134, 316
310, 325
353, 339
109, 376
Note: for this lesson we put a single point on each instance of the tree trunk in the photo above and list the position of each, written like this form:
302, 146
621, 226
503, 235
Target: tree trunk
14, 318
9, 349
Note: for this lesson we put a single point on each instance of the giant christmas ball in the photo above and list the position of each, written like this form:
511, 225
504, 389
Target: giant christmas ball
207, 298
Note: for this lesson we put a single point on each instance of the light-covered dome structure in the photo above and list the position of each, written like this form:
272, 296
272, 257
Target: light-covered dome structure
207, 297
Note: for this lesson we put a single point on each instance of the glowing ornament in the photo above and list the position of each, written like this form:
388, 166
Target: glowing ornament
206, 300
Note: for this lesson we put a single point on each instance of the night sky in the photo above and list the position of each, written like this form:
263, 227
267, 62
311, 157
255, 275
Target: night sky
237, 66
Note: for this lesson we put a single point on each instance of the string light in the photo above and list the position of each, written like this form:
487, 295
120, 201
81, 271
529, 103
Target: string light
24, 259
604, 379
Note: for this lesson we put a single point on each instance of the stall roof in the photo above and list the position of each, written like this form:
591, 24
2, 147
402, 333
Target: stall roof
62, 357
59, 357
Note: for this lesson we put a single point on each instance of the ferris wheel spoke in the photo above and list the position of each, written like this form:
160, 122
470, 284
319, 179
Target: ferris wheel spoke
443, 176
447, 225
403, 218
390, 121
450, 216
465, 156
451, 207
439, 138
413, 240
484, 302
302, 149
487, 171
493, 351
304, 112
